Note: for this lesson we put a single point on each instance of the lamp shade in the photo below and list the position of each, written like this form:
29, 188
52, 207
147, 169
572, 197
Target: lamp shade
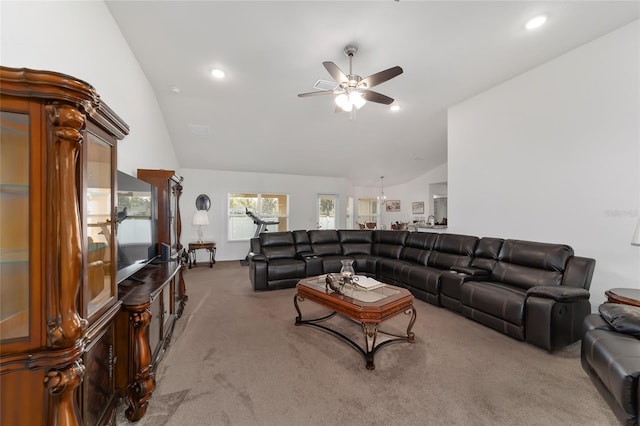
635, 238
200, 218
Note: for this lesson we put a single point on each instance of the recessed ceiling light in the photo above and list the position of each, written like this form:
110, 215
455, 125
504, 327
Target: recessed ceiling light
536, 22
217, 73
395, 108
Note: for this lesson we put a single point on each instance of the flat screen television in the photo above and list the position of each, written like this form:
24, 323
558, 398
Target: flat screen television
136, 225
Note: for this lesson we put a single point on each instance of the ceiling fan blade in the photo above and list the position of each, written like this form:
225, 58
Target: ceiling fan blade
316, 93
335, 72
372, 96
380, 77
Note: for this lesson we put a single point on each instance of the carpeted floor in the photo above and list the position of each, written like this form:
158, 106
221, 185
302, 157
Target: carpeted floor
237, 359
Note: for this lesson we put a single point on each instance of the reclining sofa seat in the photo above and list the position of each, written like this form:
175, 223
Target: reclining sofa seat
422, 261
358, 245
484, 259
536, 292
274, 262
325, 245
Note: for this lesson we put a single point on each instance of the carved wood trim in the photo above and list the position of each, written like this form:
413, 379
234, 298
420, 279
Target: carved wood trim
25, 82
61, 384
177, 190
140, 390
63, 238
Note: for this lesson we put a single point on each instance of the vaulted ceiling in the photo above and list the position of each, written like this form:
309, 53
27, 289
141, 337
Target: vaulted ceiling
252, 120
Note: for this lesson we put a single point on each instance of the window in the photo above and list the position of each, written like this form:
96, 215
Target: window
268, 207
368, 210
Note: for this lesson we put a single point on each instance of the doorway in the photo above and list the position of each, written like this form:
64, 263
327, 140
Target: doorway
326, 211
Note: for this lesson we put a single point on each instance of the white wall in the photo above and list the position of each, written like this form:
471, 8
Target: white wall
553, 155
82, 39
303, 192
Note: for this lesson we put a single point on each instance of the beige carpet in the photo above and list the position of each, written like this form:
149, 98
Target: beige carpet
237, 359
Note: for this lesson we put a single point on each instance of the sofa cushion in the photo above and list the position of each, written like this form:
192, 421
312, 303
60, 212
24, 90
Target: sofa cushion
622, 318
415, 255
390, 237
348, 236
323, 236
301, 239
524, 277
286, 268
279, 252
421, 240
355, 242
486, 253
325, 242
452, 250
270, 239
550, 257
496, 299
527, 264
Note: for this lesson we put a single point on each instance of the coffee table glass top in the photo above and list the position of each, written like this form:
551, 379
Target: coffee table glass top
353, 292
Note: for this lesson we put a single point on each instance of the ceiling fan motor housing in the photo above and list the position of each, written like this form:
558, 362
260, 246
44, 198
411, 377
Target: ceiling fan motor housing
350, 50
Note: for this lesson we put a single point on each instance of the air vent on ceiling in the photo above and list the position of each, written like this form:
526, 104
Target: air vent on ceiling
326, 85
199, 130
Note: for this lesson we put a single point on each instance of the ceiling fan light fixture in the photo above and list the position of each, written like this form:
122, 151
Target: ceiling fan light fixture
356, 99
394, 108
342, 101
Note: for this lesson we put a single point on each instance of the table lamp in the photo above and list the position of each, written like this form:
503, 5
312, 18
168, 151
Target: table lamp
200, 219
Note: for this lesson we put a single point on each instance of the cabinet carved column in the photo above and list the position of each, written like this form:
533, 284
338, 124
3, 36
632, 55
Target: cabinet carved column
144, 383
64, 266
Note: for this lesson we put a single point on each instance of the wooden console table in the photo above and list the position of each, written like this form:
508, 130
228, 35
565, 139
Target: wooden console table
206, 245
626, 296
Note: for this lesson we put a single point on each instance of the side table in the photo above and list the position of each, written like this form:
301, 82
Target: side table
626, 296
206, 245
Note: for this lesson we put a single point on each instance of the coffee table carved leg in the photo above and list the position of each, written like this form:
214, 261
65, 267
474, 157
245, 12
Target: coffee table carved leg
411, 337
370, 334
295, 303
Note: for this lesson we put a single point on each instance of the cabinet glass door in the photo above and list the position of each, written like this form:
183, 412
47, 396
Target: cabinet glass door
99, 220
14, 226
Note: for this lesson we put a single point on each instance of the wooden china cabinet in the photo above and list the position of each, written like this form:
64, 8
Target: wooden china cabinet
169, 187
152, 301
58, 294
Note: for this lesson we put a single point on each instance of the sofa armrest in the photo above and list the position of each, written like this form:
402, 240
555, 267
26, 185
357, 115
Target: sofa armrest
559, 293
468, 270
257, 257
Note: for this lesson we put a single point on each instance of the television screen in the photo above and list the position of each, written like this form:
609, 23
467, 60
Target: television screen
136, 224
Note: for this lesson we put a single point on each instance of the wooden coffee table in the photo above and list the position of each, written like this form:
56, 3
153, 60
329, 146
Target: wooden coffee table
367, 307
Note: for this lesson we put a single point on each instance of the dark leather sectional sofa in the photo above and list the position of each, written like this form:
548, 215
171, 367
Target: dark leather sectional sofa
611, 357
535, 292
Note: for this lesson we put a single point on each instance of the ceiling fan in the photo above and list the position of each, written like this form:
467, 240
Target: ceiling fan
353, 90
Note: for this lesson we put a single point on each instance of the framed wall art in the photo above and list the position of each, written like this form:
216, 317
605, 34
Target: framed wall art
393, 205
417, 207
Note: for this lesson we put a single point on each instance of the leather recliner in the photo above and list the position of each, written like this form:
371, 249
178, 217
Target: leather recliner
612, 361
